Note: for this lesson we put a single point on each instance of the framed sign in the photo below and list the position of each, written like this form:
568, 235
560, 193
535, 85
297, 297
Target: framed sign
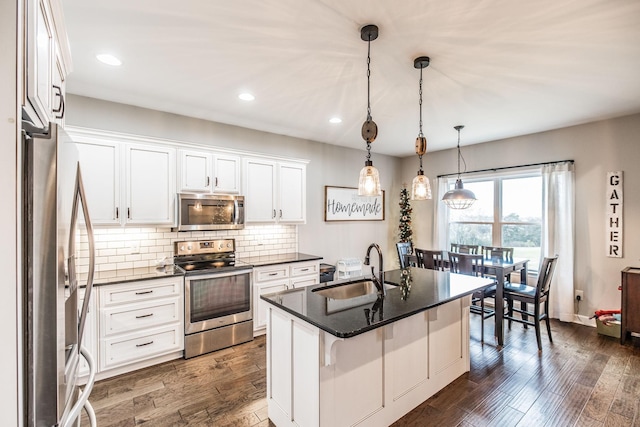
615, 204
344, 204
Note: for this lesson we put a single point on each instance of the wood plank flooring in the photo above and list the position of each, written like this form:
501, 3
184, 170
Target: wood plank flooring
581, 379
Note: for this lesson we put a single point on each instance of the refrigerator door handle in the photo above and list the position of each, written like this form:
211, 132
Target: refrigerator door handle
80, 197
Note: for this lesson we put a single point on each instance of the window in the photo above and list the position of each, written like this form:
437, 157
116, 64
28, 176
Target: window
508, 213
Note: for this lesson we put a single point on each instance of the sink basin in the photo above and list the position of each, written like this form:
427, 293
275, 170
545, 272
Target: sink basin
350, 290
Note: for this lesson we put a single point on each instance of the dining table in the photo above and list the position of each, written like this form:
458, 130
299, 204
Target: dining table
499, 268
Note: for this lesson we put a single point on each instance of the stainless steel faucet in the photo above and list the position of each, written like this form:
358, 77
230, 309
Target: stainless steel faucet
378, 281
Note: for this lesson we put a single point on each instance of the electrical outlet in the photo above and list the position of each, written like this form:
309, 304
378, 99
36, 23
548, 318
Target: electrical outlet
135, 247
578, 294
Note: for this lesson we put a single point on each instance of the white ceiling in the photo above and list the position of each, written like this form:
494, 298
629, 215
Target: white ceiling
500, 67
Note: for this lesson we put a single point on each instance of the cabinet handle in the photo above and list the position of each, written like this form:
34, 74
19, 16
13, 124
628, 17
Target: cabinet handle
146, 343
304, 269
60, 110
144, 315
273, 274
144, 292
216, 182
128, 213
274, 214
208, 182
117, 213
280, 213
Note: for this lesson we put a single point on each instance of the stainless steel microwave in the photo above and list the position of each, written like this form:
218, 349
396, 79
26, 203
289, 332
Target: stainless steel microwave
198, 212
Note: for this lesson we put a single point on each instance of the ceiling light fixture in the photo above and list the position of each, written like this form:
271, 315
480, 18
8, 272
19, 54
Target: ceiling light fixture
459, 197
108, 59
421, 188
246, 96
369, 182
335, 120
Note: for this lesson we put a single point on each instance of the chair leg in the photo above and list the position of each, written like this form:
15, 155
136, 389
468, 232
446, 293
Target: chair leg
546, 312
482, 316
523, 307
509, 310
537, 326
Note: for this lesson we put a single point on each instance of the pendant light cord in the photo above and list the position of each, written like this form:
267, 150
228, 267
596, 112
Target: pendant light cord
369, 79
420, 134
460, 157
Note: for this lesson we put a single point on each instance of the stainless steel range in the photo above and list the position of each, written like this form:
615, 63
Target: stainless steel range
218, 303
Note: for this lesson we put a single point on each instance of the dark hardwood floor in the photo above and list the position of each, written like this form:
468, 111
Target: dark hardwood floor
581, 379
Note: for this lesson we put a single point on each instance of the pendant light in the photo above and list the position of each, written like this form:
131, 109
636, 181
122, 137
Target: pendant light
369, 182
459, 197
421, 188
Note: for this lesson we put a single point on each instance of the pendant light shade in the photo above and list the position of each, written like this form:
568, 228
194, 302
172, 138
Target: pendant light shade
420, 187
369, 182
459, 197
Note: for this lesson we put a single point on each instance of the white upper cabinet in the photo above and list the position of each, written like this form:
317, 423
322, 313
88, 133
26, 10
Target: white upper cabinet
100, 166
274, 191
208, 172
150, 184
259, 190
146, 192
47, 62
292, 181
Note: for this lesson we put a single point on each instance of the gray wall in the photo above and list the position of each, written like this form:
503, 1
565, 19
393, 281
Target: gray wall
597, 148
328, 165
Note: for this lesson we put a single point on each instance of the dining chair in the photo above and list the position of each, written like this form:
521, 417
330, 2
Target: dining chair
535, 295
404, 251
473, 265
433, 260
503, 253
464, 249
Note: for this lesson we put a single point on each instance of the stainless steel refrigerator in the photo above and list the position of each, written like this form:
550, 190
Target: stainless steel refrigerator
56, 228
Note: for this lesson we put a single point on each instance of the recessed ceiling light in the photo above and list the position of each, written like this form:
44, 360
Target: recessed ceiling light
335, 120
246, 96
108, 59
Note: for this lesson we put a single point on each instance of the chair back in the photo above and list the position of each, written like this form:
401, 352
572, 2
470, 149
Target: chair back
469, 264
545, 275
464, 249
404, 249
433, 260
502, 253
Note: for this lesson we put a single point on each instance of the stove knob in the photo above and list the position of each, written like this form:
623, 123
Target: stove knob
229, 245
189, 247
182, 248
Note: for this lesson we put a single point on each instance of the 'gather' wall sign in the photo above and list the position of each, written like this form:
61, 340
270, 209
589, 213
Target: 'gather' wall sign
614, 214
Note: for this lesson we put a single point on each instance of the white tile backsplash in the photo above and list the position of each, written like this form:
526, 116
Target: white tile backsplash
114, 246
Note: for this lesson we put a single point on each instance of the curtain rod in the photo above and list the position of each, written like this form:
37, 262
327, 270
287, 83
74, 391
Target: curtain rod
505, 167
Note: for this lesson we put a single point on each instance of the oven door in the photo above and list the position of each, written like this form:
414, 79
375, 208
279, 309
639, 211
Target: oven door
217, 299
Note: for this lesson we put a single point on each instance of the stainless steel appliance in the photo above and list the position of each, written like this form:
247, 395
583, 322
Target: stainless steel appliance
55, 218
209, 212
218, 302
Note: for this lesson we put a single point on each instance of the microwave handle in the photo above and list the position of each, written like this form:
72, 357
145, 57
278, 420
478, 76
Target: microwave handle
239, 216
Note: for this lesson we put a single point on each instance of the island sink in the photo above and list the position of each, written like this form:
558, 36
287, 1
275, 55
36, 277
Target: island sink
348, 290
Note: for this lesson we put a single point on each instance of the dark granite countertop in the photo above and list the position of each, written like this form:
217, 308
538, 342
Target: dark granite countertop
417, 290
110, 277
259, 261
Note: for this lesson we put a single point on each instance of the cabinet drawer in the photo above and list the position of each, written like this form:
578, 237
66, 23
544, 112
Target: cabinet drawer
125, 349
305, 268
300, 282
271, 273
132, 317
140, 291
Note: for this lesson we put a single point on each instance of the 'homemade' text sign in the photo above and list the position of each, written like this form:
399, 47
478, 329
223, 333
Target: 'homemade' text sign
344, 204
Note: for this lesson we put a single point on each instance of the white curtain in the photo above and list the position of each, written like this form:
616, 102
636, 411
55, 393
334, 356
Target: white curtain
441, 215
558, 230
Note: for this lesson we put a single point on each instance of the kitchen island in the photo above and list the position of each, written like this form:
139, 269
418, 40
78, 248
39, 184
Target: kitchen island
366, 359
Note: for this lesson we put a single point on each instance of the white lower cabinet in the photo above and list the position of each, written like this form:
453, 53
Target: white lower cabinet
89, 337
280, 277
140, 321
